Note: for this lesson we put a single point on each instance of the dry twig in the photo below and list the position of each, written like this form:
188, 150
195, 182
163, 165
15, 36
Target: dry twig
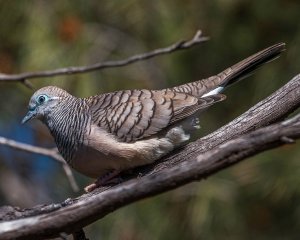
52, 153
109, 64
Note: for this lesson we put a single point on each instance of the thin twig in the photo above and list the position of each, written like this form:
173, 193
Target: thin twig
109, 64
27, 83
52, 153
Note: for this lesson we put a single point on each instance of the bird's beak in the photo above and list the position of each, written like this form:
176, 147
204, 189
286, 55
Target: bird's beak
29, 115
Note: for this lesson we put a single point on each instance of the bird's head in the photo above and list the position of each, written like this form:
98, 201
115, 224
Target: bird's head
43, 102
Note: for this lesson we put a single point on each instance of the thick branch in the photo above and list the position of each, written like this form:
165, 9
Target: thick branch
194, 162
109, 64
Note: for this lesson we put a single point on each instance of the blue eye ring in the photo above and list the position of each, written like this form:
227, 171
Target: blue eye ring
42, 99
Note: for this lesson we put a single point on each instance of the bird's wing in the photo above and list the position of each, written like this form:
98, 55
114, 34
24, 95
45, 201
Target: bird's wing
135, 114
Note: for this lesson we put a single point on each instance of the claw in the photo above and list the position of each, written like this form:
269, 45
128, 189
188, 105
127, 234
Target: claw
103, 180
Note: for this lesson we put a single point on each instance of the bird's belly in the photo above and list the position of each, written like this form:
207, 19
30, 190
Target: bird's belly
94, 164
95, 160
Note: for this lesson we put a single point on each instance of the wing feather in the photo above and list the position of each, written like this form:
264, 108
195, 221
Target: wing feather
138, 114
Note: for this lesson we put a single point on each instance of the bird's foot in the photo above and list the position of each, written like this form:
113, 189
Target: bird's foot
108, 178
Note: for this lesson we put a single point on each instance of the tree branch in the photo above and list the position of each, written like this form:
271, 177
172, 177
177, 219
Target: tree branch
101, 65
52, 153
195, 161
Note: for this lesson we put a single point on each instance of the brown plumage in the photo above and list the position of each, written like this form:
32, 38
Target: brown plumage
108, 133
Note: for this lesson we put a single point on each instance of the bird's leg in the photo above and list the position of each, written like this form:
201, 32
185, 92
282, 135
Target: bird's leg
102, 180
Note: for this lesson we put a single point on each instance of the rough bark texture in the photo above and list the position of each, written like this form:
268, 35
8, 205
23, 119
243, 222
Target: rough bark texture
196, 161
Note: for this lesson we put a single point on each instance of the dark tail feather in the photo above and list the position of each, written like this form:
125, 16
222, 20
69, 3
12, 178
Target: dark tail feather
246, 67
232, 74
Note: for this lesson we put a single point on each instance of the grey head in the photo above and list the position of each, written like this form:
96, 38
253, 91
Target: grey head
43, 102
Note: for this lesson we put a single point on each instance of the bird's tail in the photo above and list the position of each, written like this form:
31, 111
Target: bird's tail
216, 84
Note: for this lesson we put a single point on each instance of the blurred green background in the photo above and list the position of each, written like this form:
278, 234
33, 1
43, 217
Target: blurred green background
257, 199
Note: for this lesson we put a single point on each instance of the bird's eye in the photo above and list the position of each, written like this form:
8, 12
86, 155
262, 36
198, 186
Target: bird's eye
41, 99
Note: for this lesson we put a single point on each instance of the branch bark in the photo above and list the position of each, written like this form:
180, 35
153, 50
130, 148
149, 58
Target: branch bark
197, 39
195, 161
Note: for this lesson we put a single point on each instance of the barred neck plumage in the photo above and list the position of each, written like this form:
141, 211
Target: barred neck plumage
68, 123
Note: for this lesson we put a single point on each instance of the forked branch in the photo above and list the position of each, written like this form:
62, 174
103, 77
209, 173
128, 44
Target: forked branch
52, 153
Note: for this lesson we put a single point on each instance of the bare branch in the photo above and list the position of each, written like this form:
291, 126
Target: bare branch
196, 161
52, 153
32, 149
101, 65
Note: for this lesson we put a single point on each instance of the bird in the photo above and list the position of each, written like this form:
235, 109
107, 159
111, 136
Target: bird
103, 135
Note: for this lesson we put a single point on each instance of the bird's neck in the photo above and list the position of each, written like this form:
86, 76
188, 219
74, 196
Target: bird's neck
68, 123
